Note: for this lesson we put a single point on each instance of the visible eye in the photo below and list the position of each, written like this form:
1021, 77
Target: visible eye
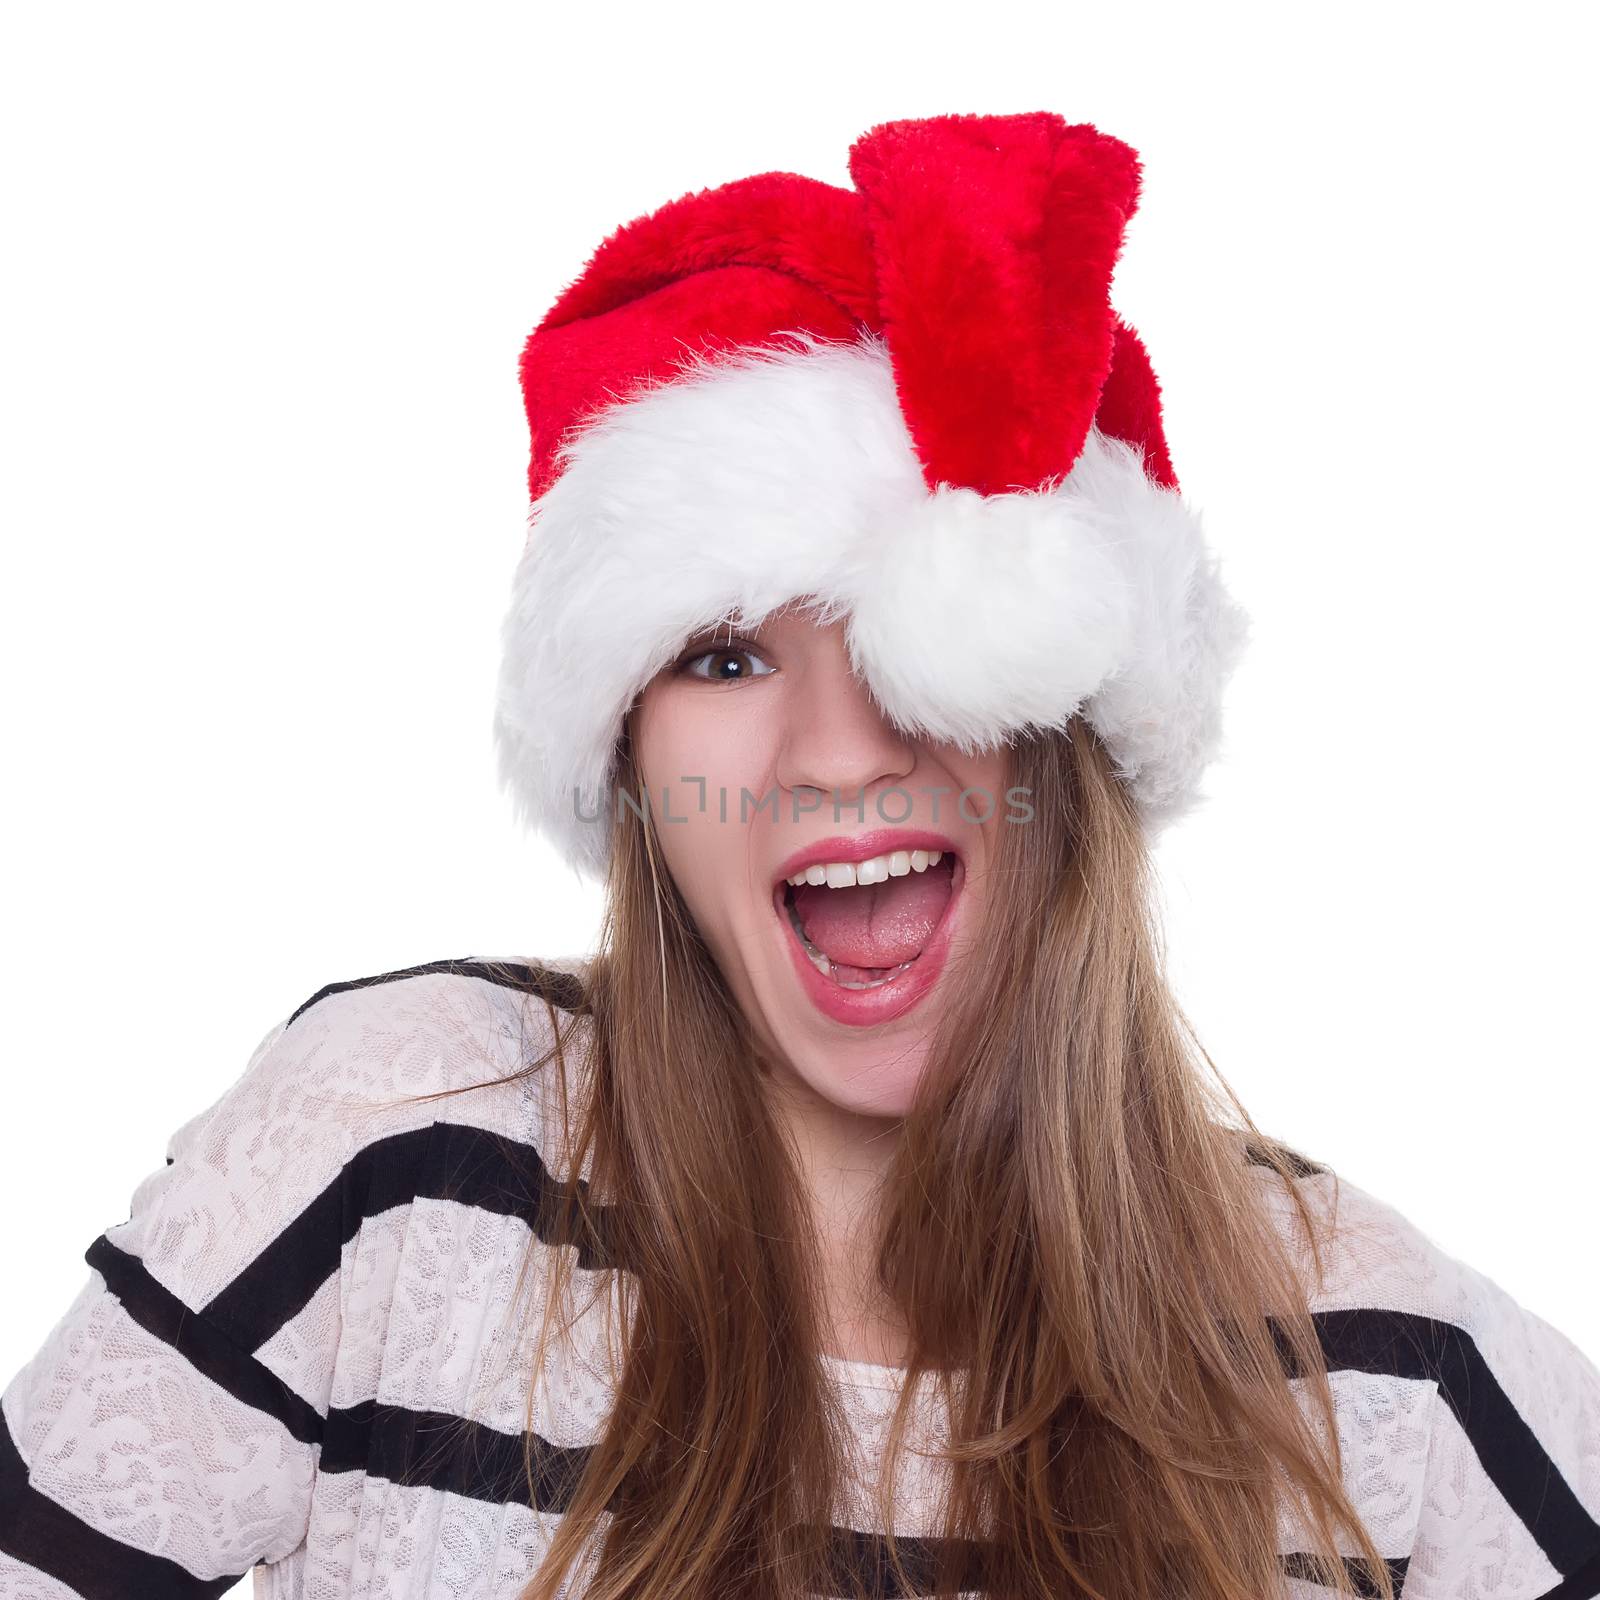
721, 663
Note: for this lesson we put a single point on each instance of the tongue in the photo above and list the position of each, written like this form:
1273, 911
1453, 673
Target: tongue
874, 924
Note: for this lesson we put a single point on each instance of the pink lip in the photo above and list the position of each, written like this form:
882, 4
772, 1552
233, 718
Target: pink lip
865, 1008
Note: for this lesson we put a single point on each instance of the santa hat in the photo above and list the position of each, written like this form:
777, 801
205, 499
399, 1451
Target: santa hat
909, 403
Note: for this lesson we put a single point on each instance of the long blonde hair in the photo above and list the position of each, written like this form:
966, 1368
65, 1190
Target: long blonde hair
1072, 1229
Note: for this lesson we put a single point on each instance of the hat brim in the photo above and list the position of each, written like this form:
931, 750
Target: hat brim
757, 477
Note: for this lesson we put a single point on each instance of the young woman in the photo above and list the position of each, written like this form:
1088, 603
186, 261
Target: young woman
859, 1217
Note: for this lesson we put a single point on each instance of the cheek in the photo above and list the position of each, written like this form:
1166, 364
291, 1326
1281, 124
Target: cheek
983, 780
697, 751
695, 754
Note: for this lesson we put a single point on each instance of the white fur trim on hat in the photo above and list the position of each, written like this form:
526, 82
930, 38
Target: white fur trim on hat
755, 477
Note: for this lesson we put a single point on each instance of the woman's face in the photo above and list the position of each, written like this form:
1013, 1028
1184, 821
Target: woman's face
765, 758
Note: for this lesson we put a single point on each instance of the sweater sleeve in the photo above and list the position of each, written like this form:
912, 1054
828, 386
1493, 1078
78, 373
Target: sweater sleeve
155, 1445
1511, 1496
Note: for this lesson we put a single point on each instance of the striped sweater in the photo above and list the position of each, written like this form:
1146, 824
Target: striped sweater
303, 1357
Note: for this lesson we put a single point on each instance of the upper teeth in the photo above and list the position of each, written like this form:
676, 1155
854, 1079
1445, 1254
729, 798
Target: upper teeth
842, 874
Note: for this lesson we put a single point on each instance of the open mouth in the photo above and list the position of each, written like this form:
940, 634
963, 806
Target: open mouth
862, 925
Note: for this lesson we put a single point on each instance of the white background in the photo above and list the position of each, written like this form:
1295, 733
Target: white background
270, 269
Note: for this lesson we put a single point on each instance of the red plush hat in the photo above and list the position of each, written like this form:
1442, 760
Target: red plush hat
910, 403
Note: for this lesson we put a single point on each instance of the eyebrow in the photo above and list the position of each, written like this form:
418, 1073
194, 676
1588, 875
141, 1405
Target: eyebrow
723, 632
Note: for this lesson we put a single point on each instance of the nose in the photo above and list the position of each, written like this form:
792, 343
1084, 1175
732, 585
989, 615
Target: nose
836, 736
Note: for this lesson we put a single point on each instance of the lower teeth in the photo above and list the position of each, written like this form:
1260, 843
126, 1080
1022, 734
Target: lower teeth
825, 966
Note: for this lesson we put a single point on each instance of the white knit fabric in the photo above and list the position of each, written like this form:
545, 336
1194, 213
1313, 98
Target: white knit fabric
122, 1433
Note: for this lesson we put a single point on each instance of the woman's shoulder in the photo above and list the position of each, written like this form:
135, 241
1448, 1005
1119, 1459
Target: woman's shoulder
235, 1321
1480, 1417
1375, 1255
343, 1108
434, 1027
1406, 1299
370, 1050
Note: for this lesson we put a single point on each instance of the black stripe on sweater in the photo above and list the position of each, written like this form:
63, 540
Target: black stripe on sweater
1299, 1166
1363, 1580
442, 1452
1402, 1345
442, 1161
1511, 1454
439, 1450
1584, 1584
161, 1313
564, 990
35, 1530
863, 1558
